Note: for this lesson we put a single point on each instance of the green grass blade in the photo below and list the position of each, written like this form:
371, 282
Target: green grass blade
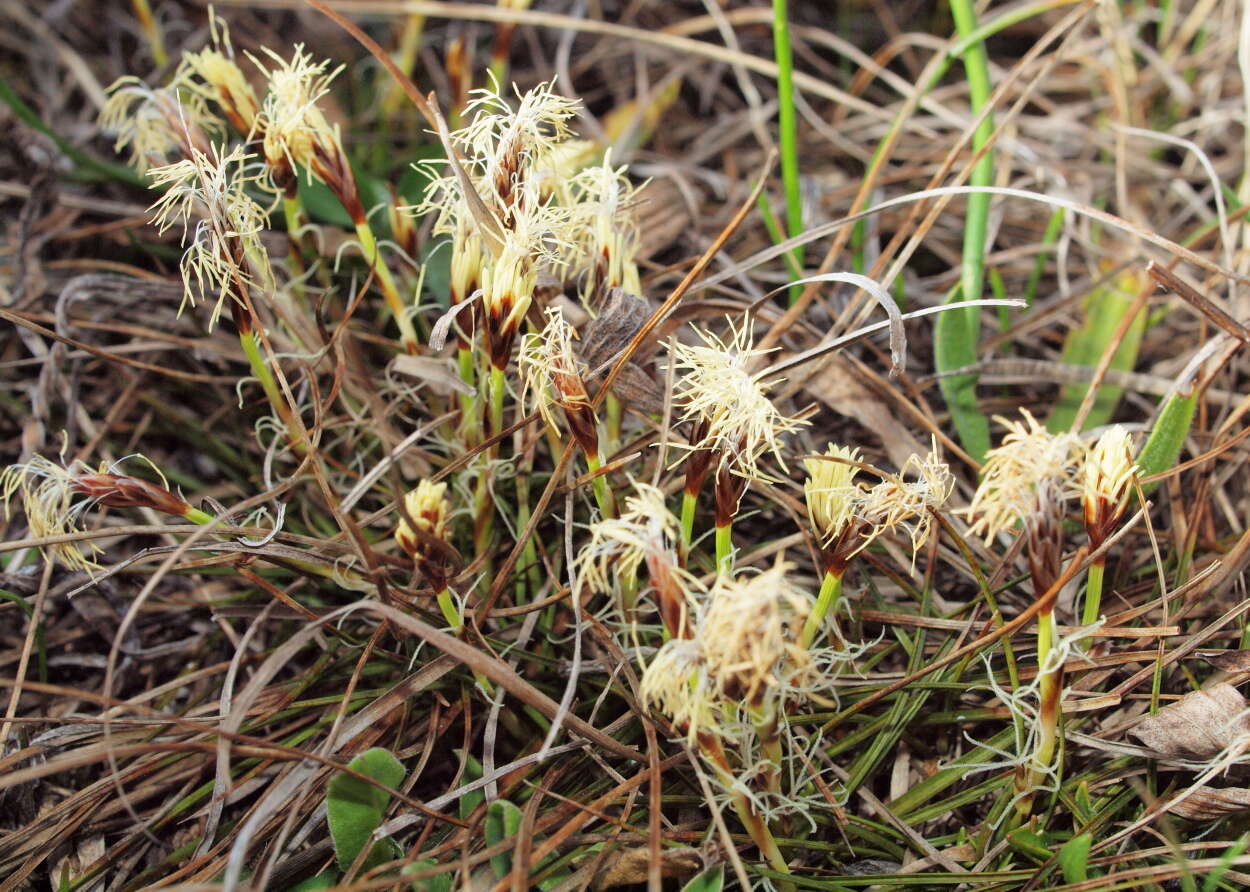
787, 123
1084, 346
957, 333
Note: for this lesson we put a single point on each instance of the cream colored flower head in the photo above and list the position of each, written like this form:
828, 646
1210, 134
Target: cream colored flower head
907, 502
1029, 467
428, 509
53, 506
607, 237
550, 371
293, 124
213, 74
508, 280
645, 532
225, 254
729, 404
676, 683
833, 497
154, 124
749, 633
507, 145
1107, 479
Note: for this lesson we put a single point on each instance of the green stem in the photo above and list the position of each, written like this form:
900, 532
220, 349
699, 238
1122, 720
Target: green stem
766, 729
451, 610
1093, 592
470, 403
599, 484
787, 123
958, 334
612, 435
498, 387
826, 600
724, 548
250, 342
195, 515
1050, 683
386, 282
689, 504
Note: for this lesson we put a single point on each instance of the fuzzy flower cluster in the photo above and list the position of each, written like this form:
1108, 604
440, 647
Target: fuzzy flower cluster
1030, 468
225, 256
644, 535
1033, 473
743, 651
846, 515
551, 376
55, 496
213, 75
505, 150
1107, 482
734, 419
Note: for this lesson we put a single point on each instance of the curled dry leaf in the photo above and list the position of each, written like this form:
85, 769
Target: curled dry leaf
629, 867
1212, 803
1198, 726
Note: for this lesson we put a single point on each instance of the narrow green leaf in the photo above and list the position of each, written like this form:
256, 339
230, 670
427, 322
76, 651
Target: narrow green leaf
356, 808
1074, 858
1084, 346
503, 821
958, 332
711, 880
1231, 854
955, 347
1164, 444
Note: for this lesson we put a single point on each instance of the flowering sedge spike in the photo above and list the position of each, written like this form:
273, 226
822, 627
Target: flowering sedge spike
645, 534
507, 147
834, 501
423, 529
213, 74
225, 257
297, 134
1027, 479
676, 683
504, 147
734, 424
296, 131
155, 123
608, 235
735, 420
422, 532
1029, 466
908, 505
55, 497
1106, 483
748, 633
552, 376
